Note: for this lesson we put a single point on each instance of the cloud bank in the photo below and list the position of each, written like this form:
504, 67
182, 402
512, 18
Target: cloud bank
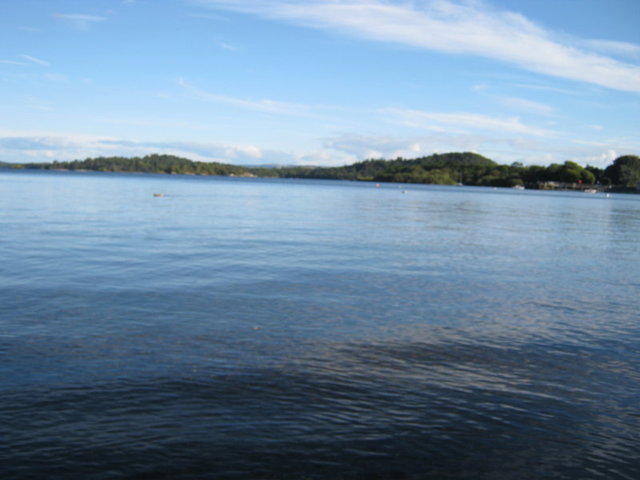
339, 149
25, 147
458, 28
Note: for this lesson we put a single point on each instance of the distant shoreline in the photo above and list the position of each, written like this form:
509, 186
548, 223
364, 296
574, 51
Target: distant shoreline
466, 168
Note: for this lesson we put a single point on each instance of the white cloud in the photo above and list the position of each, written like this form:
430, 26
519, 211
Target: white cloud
359, 147
346, 148
462, 121
20, 146
462, 28
80, 21
411, 147
12, 62
611, 47
602, 159
501, 149
228, 46
36, 60
527, 105
545, 88
38, 146
516, 103
264, 105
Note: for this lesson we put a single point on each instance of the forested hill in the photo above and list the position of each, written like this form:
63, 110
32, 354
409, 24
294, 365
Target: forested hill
448, 169
148, 164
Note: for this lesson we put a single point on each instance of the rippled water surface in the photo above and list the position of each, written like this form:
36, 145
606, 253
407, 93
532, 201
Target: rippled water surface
282, 329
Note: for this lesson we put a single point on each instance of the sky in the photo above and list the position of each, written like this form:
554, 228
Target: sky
320, 82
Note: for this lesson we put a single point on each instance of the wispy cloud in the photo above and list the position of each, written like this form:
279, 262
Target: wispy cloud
545, 88
515, 103
36, 60
526, 105
12, 62
610, 47
80, 21
209, 16
228, 46
265, 105
453, 27
461, 122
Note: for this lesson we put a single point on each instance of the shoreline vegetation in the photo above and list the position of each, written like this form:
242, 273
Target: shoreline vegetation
466, 168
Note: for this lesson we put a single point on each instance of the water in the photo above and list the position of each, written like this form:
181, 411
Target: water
282, 329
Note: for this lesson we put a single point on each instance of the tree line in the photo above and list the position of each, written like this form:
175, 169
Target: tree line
148, 164
446, 169
473, 169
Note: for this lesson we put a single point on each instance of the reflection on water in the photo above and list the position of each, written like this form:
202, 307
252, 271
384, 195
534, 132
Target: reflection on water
242, 328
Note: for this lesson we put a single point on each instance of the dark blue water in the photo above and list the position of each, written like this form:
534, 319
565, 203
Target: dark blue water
272, 329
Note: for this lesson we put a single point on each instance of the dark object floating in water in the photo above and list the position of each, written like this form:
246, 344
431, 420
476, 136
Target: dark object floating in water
158, 194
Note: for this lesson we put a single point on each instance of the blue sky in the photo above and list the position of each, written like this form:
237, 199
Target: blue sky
320, 82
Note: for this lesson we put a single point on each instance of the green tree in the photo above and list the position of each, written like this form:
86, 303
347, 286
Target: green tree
625, 171
596, 172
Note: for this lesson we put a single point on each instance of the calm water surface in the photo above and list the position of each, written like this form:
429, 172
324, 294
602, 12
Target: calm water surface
282, 329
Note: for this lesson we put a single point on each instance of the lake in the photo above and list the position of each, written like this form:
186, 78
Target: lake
242, 328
